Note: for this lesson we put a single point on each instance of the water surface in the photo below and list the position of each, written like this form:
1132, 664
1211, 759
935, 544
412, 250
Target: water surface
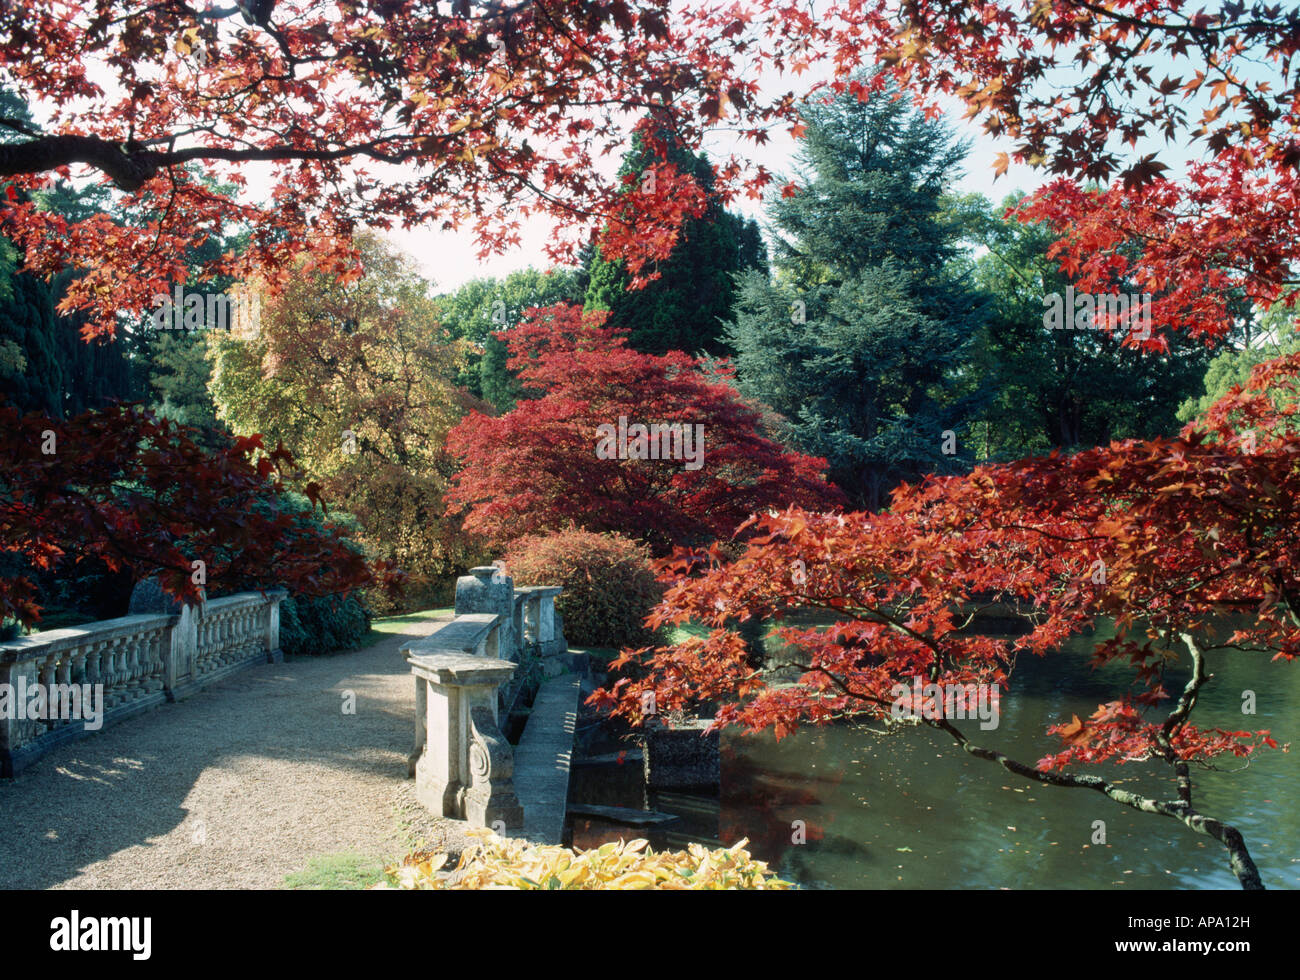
911, 810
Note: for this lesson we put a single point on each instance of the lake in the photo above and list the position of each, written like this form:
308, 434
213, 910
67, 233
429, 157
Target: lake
910, 810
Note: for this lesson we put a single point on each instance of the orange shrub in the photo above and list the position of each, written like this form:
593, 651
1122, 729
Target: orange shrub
609, 585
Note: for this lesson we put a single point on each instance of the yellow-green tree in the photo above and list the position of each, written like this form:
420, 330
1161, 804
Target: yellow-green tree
355, 377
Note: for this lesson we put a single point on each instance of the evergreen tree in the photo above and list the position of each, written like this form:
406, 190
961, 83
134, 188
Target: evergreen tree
684, 308
30, 375
31, 368
45, 365
1062, 388
863, 342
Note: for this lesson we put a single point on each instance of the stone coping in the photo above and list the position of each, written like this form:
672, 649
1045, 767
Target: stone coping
27, 647
539, 590
542, 760
241, 598
460, 669
462, 635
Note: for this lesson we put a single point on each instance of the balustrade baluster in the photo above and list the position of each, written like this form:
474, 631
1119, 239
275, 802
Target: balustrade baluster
46, 675
62, 675
92, 664
157, 667
111, 674
134, 668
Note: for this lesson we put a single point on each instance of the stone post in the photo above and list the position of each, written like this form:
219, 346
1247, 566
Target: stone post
540, 625
487, 590
274, 654
182, 647
464, 766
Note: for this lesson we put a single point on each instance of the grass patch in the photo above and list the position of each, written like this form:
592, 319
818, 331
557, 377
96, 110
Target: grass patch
396, 625
337, 872
678, 634
600, 656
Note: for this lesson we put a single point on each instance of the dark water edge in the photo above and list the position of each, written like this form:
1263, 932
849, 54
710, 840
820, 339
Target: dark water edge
847, 807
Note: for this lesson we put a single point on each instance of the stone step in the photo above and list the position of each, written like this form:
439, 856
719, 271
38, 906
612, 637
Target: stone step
623, 814
543, 758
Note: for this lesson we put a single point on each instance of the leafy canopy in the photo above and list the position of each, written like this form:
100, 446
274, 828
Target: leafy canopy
537, 468
357, 378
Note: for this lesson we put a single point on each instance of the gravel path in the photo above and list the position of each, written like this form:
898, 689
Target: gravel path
235, 787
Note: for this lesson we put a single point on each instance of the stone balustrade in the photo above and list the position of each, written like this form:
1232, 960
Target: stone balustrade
462, 764
527, 613
116, 668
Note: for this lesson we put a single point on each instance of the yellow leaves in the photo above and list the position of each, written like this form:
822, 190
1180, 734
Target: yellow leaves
498, 862
185, 43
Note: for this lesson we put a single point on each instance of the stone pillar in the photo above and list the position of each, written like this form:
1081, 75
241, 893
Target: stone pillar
274, 654
487, 589
525, 620
182, 646
546, 631
543, 622
464, 767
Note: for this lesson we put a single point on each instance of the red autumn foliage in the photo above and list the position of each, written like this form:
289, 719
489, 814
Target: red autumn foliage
480, 115
536, 468
138, 492
373, 113
1185, 532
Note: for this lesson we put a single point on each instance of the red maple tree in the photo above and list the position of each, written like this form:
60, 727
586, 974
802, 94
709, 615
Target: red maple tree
537, 468
1164, 538
139, 492
362, 112
461, 114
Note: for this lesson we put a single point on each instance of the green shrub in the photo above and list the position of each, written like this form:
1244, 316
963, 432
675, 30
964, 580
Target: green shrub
310, 626
609, 585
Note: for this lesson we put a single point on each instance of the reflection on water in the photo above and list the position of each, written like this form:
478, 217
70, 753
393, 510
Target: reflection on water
910, 810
